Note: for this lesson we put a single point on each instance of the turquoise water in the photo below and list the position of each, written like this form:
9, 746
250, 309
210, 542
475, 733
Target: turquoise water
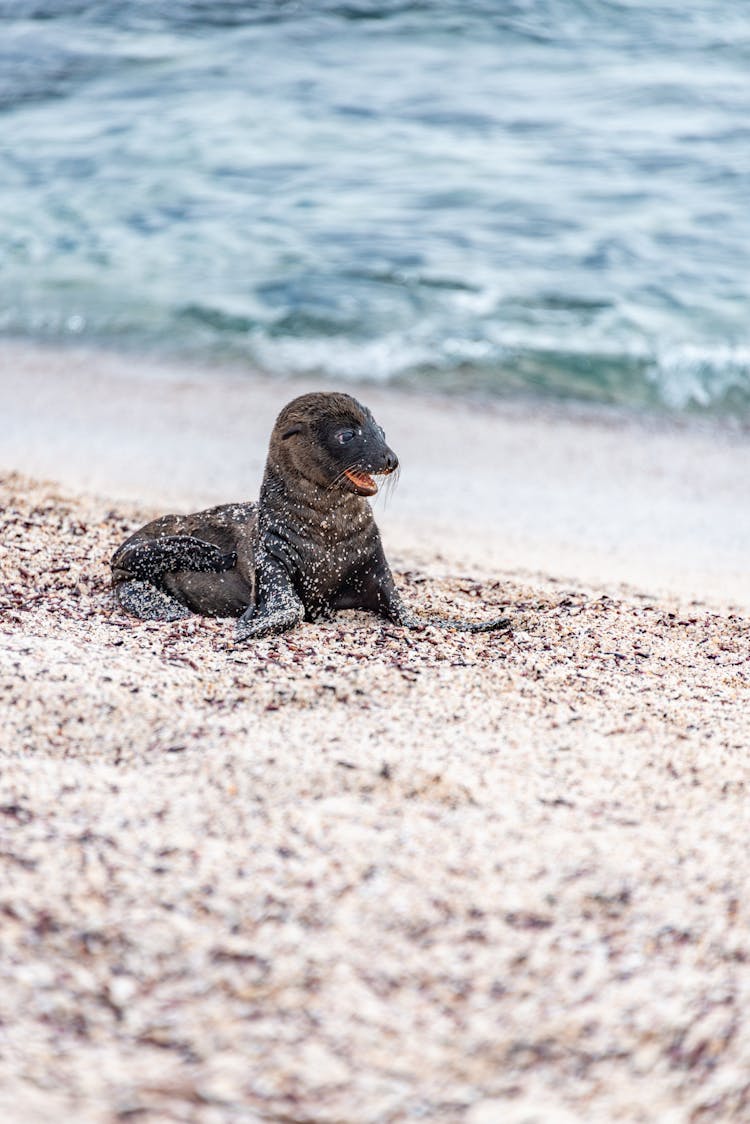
547, 197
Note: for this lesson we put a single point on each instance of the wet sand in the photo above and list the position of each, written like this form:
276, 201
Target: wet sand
357, 874
497, 488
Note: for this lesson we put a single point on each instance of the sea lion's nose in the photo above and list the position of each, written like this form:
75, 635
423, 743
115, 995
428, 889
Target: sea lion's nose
391, 461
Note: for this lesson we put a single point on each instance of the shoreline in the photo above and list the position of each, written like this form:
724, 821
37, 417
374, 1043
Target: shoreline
502, 489
145, 363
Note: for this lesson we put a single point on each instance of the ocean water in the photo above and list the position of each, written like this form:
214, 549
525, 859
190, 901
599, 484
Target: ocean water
545, 197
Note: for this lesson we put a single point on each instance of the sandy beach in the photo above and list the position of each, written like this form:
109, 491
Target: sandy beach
356, 874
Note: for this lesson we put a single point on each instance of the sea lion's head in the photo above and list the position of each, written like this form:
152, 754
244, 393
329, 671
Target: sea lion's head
332, 441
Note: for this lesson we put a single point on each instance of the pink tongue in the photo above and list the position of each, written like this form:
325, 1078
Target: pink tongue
361, 479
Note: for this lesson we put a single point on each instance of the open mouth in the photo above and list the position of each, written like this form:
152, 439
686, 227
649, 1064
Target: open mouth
362, 481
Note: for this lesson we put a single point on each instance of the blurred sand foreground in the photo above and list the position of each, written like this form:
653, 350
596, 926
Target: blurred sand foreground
356, 874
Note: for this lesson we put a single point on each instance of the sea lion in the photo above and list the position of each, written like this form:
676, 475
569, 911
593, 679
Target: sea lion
308, 548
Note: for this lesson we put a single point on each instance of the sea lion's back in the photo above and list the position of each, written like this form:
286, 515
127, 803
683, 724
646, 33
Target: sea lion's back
231, 526
228, 526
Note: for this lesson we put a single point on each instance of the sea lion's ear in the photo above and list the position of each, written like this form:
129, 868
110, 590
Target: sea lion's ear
291, 432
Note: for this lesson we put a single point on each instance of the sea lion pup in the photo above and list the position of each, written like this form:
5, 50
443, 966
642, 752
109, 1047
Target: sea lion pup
308, 548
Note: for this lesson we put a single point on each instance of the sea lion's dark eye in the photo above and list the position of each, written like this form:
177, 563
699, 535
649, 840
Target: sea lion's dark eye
344, 436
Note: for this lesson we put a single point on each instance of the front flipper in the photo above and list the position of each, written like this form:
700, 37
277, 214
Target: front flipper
144, 600
150, 558
260, 624
391, 606
499, 624
278, 609
399, 614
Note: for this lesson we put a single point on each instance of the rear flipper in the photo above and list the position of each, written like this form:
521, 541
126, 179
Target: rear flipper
150, 558
144, 600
